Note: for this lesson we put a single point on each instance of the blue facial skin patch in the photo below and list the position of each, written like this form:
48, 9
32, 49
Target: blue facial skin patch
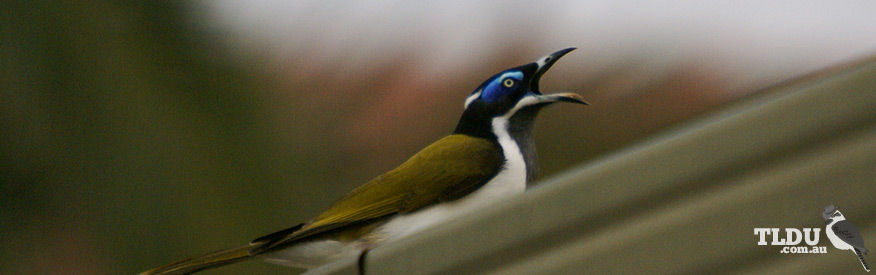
494, 90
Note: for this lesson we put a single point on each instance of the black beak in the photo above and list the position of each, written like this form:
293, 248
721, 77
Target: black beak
544, 64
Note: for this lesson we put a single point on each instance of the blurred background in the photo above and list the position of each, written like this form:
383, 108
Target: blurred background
135, 134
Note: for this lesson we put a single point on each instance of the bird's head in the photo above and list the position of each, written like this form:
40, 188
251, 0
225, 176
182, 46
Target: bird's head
512, 95
831, 213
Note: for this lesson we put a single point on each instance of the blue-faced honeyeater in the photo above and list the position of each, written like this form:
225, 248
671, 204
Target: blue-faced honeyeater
489, 155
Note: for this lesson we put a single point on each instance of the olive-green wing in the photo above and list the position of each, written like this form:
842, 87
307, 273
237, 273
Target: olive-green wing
445, 170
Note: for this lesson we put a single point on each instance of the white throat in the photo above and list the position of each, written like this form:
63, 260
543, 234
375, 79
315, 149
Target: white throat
512, 175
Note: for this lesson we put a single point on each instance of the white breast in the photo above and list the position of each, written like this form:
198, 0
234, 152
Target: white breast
510, 180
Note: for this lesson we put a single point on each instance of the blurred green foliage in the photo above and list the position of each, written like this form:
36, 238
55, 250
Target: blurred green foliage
120, 124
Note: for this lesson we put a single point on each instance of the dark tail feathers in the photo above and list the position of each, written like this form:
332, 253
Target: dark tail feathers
194, 264
861, 258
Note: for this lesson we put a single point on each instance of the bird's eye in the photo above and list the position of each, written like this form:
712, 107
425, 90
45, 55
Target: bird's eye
500, 86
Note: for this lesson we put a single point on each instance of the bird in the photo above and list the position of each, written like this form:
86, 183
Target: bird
843, 234
490, 155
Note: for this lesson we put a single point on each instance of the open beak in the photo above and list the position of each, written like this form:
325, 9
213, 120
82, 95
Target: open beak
561, 97
544, 64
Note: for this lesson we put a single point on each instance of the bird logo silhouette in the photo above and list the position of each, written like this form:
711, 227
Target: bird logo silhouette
843, 234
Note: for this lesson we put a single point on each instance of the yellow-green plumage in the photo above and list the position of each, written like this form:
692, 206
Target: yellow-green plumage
445, 170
